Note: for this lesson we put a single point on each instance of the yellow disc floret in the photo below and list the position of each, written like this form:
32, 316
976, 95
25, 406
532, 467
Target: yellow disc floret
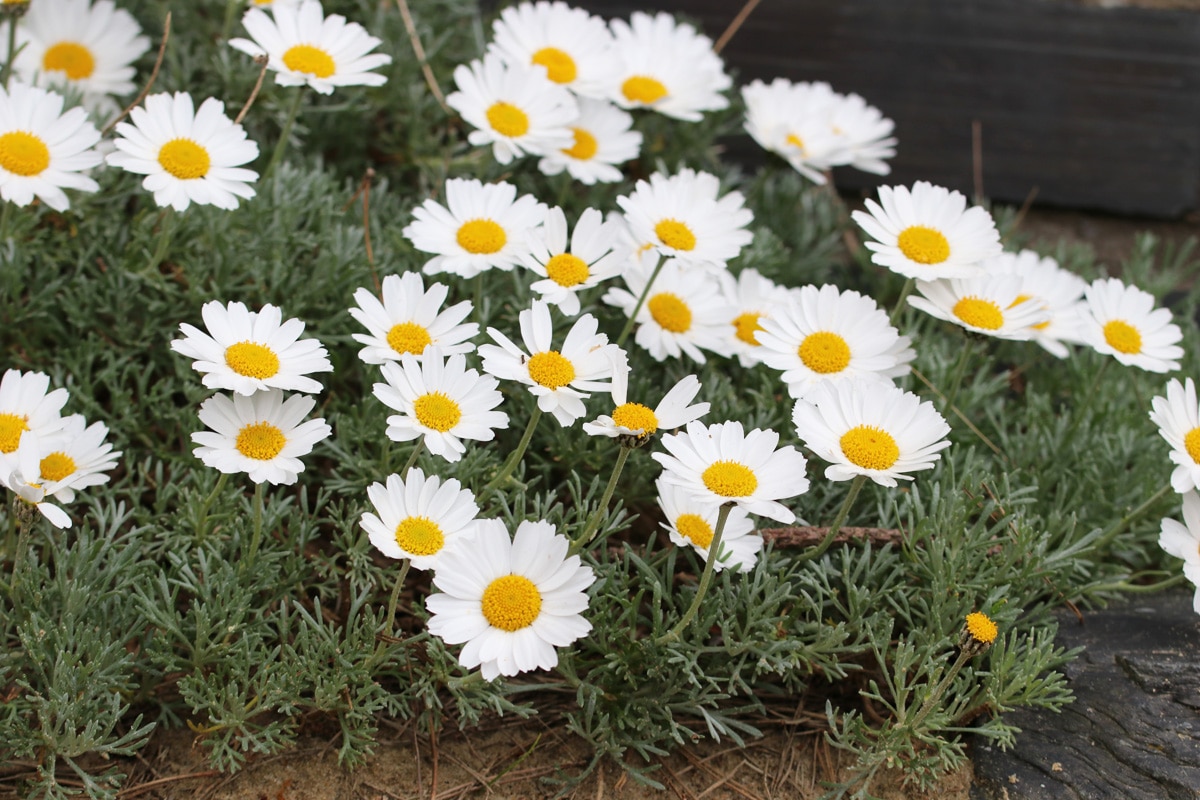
636, 417
585, 146
567, 270
981, 627
419, 536
869, 447
71, 58
730, 479
56, 466
261, 441
824, 352
560, 67
11, 428
675, 234
252, 360
511, 603
481, 237
437, 411
23, 153
979, 313
693, 528
1191, 443
551, 369
184, 159
643, 89
507, 120
309, 60
746, 327
408, 337
923, 245
1123, 337
670, 312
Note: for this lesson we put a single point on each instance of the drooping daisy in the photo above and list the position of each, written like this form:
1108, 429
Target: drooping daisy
1178, 419
303, 46
511, 602
249, 351
1057, 290
23, 481
1121, 321
993, 305
568, 270
262, 435
26, 406
43, 150
514, 107
667, 67
866, 428
603, 139
691, 523
682, 217
571, 45
823, 334
720, 463
638, 422
865, 134
186, 155
482, 227
1183, 541
794, 120
419, 518
441, 400
74, 457
410, 319
928, 232
752, 299
559, 379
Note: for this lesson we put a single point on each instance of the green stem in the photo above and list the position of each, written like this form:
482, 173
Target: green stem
256, 537
12, 50
285, 133
898, 311
601, 511
1120, 525
855, 487
960, 371
515, 456
714, 551
208, 501
166, 230
412, 458
1086, 405
1139, 588
964, 655
640, 301
19, 555
5, 214
231, 7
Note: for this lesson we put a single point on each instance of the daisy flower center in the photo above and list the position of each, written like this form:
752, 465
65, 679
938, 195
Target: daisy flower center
184, 159
796, 142
56, 466
869, 447
481, 237
1122, 337
979, 313
729, 479
309, 60
408, 337
675, 234
551, 369
636, 417
824, 352
923, 245
745, 326
420, 536
261, 441
1191, 443
585, 146
436, 410
567, 270
693, 528
23, 153
507, 120
252, 360
560, 67
511, 603
11, 428
670, 312
71, 58
981, 627
643, 89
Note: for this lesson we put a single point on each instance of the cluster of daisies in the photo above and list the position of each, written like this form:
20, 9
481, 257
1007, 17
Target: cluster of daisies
1177, 416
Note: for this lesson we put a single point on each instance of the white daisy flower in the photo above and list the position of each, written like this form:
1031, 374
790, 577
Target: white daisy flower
186, 155
928, 232
574, 47
823, 334
1121, 321
74, 457
691, 523
262, 435
682, 217
410, 319
794, 120
1183, 541
667, 67
684, 312
604, 139
482, 227
26, 406
1178, 419
559, 379
250, 351
441, 400
511, 602
569, 269
865, 135
1056, 290
993, 305
638, 422
419, 518
719, 463
43, 150
24, 482
514, 107
303, 46
752, 299
866, 428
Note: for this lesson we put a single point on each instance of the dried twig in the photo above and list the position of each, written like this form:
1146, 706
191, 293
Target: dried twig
134, 791
162, 51
430, 80
736, 24
262, 60
808, 536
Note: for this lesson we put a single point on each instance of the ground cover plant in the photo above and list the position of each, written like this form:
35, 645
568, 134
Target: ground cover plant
421, 381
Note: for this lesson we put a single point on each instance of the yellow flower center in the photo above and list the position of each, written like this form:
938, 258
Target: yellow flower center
436, 410
1191, 443
675, 234
730, 479
309, 60
71, 58
567, 270
824, 352
1123, 337
560, 67
507, 120
56, 466
408, 337
693, 528
11, 428
635, 417
745, 326
184, 159
979, 313
551, 369
643, 89
869, 447
252, 360
420, 536
511, 603
1021, 298
923, 245
23, 153
585, 146
481, 237
981, 627
260, 440
670, 312
796, 142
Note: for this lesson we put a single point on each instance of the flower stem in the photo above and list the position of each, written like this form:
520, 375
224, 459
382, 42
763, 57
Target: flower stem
12, 49
256, 537
412, 458
905, 291
395, 598
285, 133
515, 456
601, 511
960, 371
714, 551
640, 301
1120, 525
855, 487
19, 553
208, 501
166, 230
231, 7
1086, 405
964, 655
